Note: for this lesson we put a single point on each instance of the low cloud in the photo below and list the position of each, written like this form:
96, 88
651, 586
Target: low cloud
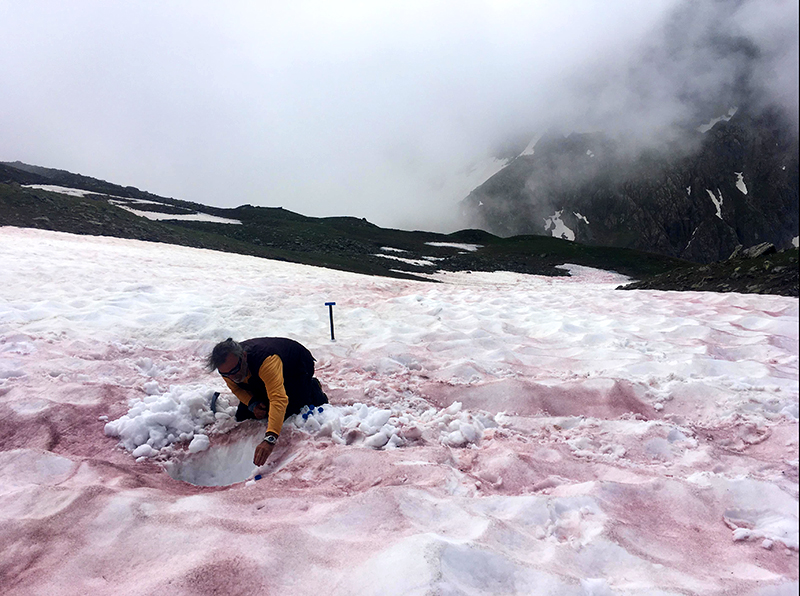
369, 109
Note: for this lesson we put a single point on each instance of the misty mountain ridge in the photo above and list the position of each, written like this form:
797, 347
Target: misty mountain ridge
697, 197
693, 150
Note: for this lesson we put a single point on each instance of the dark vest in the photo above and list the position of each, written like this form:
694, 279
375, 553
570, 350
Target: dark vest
298, 363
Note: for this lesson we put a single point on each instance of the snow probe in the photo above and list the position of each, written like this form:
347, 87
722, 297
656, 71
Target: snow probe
330, 306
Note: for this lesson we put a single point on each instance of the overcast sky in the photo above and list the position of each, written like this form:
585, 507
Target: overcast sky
372, 109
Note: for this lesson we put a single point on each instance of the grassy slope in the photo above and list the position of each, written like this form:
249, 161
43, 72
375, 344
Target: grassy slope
351, 244
344, 243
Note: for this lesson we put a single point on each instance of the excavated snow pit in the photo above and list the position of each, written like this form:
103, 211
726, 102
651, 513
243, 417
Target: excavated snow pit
219, 465
219, 452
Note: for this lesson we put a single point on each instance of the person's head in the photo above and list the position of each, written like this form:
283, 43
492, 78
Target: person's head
229, 359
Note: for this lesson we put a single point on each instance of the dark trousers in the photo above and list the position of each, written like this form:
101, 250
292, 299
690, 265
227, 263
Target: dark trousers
302, 391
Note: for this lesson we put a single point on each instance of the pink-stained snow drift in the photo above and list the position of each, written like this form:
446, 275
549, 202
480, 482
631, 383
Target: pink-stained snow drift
488, 434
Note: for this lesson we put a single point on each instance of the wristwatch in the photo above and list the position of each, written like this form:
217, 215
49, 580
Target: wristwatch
271, 438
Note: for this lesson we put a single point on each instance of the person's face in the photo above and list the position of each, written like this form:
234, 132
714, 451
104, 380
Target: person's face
234, 368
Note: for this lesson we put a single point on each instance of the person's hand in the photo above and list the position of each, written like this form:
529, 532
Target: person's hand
260, 411
263, 451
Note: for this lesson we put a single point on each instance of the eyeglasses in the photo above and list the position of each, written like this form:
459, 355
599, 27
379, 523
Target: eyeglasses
232, 372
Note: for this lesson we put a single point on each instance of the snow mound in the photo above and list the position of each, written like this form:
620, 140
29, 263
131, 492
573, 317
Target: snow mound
381, 428
161, 424
160, 420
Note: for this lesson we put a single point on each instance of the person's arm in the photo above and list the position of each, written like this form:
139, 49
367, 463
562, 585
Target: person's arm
271, 372
242, 395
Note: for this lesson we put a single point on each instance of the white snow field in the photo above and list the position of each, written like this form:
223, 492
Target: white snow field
491, 434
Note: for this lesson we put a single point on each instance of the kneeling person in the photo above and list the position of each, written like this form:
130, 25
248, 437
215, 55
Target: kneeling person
273, 378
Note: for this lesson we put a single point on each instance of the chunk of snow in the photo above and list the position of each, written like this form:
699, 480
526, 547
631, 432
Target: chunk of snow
143, 450
199, 443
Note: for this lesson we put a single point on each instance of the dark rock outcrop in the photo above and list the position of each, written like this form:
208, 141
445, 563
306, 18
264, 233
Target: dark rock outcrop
760, 271
739, 186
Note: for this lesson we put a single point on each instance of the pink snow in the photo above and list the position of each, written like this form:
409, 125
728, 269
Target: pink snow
542, 435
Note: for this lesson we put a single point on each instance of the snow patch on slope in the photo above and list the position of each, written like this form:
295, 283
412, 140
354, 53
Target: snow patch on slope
423, 262
64, 190
704, 128
156, 216
467, 247
717, 201
560, 230
740, 182
529, 150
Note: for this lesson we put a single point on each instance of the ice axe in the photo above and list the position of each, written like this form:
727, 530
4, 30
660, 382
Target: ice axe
214, 401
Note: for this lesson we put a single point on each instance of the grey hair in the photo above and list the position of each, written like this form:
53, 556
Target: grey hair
221, 352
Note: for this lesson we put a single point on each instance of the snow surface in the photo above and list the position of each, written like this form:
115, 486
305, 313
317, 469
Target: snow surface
496, 433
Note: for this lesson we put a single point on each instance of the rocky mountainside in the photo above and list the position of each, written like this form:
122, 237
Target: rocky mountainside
733, 182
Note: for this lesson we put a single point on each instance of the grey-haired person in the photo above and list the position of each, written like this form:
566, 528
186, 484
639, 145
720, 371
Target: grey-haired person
273, 378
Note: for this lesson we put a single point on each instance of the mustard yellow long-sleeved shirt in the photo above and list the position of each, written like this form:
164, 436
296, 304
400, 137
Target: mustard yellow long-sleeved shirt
271, 372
